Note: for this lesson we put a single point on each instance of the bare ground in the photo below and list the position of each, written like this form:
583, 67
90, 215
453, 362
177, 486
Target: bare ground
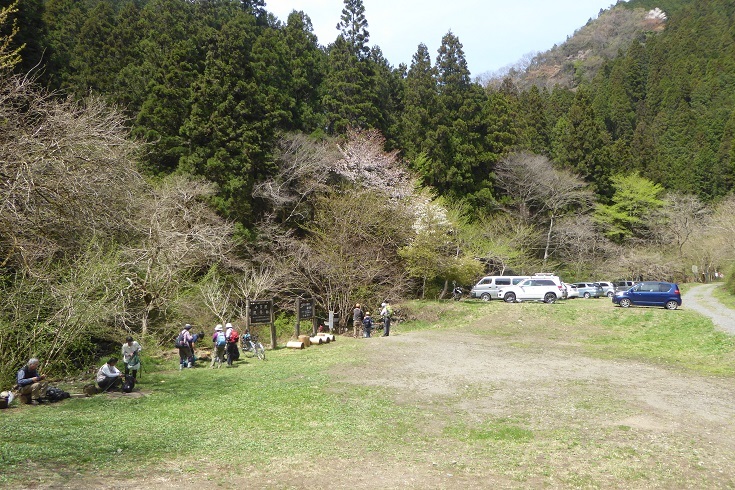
497, 413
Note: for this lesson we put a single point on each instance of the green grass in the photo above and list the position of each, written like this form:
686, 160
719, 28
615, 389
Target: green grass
297, 406
682, 339
724, 297
287, 406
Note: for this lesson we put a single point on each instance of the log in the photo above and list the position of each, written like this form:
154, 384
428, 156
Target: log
305, 340
316, 340
294, 344
330, 337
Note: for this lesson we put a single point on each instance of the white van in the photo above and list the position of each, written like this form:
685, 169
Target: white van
488, 286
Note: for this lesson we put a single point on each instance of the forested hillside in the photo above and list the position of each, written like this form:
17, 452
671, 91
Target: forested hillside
163, 160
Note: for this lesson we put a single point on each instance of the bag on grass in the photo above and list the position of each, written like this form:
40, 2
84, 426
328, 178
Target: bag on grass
129, 384
54, 394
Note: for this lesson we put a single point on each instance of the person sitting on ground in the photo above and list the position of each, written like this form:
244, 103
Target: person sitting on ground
131, 356
109, 377
31, 383
367, 324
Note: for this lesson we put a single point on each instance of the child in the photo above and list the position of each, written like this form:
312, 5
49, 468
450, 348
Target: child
367, 324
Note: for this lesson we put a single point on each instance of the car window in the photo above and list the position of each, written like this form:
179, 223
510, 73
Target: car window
486, 281
649, 287
517, 280
502, 282
664, 287
545, 282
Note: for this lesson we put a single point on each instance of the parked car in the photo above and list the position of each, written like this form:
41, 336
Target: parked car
621, 285
532, 289
608, 289
487, 287
589, 289
572, 291
650, 293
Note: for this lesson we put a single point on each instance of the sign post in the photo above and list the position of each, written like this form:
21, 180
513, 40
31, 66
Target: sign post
261, 313
305, 311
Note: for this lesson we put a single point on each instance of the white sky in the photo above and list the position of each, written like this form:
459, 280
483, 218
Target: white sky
493, 33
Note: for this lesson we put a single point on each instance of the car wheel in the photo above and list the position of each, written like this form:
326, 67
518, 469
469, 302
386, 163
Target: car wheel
485, 297
625, 302
671, 305
610, 294
549, 298
586, 295
510, 297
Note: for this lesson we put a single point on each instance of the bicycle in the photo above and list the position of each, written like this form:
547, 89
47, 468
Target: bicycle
252, 347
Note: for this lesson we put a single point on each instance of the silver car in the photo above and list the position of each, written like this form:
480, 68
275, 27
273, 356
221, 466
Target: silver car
589, 289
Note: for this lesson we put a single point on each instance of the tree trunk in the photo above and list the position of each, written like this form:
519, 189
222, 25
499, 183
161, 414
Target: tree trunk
444, 291
548, 241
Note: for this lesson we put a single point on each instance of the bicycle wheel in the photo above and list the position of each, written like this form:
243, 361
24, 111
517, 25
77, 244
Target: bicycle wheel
259, 351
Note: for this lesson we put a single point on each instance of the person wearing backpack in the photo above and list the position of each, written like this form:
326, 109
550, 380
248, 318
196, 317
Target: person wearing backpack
367, 324
131, 356
220, 343
233, 337
184, 343
386, 313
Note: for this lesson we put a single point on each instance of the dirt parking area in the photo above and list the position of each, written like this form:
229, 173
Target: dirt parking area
505, 411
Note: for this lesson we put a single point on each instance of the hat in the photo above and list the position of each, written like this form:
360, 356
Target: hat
187, 326
229, 325
218, 328
384, 305
367, 314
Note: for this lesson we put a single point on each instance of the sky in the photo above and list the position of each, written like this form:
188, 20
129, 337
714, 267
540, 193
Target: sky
493, 33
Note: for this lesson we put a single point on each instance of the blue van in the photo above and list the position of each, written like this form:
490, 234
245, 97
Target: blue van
650, 293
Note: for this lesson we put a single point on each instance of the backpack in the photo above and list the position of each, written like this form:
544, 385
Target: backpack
54, 394
221, 340
367, 322
129, 384
234, 336
389, 310
180, 342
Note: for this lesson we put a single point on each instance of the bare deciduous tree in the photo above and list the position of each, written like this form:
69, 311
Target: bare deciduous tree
182, 236
540, 191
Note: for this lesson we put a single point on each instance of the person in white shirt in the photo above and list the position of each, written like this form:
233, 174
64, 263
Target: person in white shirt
131, 356
108, 376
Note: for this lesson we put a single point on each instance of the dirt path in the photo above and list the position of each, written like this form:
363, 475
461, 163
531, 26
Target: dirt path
700, 299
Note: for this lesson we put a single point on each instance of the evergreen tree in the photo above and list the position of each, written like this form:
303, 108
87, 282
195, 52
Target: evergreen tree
353, 26
307, 66
420, 103
345, 100
457, 162
224, 127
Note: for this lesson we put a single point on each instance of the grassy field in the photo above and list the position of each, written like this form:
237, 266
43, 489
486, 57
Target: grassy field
298, 406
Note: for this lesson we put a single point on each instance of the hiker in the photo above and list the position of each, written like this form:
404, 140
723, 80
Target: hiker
232, 336
109, 377
32, 383
220, 343
386, 313
357, 317
186, 352
131, 356
367, 324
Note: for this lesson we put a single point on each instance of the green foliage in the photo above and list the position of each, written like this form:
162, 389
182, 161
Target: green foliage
635, 198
